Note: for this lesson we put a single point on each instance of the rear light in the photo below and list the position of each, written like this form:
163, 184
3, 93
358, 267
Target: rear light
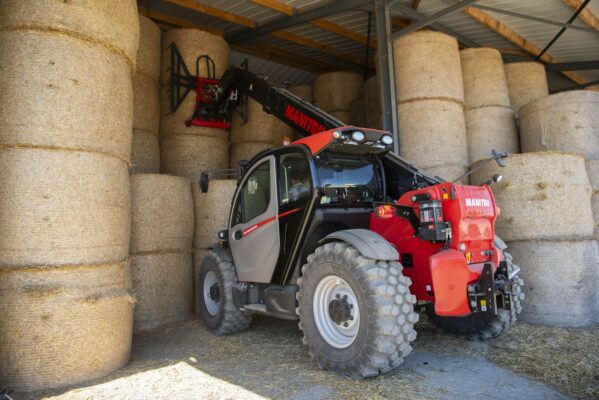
384, 211
430, 212
432, 226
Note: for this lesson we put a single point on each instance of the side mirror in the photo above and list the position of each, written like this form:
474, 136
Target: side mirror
499, 157
204, 182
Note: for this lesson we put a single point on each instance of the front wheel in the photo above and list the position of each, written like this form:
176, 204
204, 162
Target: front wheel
356, 313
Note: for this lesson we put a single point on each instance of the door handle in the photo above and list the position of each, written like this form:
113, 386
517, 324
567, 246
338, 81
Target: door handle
237, 235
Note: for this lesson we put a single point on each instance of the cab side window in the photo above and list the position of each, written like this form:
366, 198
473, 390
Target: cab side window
294, 178
254, 197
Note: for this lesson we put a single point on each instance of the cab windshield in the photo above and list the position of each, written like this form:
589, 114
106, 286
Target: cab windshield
348, 180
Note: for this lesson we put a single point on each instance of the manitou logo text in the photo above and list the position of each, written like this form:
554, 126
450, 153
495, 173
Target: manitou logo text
303, 121
477, 203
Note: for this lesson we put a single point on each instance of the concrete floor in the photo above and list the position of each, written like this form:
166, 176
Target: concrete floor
184, 361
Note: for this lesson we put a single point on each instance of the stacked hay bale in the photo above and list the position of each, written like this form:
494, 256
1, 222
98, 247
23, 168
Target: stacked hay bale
490, 121
187, 151
527, 81
430, 96
372, 98
65, 135
546, 220
161, 238
302, 91
145, 150
259, 132
334, 92
211, 211
358, 112
593, 171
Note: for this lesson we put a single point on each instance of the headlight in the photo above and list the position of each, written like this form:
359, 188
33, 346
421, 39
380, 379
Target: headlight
387, 139
358, 136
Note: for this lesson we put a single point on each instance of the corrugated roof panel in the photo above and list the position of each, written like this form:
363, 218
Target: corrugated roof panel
276, 72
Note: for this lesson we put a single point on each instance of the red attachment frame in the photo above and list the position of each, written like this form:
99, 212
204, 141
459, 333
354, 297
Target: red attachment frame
205, 89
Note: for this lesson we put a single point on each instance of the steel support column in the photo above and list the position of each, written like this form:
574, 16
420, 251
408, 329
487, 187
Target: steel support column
386, 76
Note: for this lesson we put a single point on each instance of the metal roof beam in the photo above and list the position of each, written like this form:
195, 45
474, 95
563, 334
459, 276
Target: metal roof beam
579, 86
424, 22
572, 66
331, 8
586, 16
564, 28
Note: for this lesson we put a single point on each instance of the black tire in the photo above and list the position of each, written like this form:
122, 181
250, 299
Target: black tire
228, 319
484, 326
386, 311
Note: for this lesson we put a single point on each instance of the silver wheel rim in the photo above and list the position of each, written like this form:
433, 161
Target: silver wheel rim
338, 335
211, 305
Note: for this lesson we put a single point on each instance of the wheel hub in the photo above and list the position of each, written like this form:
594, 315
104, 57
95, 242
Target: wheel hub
340, 310
215, 292
211, 293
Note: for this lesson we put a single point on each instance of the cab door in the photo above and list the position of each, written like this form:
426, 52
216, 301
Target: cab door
253, 227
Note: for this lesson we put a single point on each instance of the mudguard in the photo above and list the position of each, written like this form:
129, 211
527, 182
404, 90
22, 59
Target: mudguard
370, 244
451, 277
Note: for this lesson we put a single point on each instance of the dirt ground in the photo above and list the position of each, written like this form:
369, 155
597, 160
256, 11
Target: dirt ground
184, 361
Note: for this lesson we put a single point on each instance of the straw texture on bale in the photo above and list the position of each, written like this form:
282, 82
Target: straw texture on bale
260, 126
562, 281
448, 172
334, 91
358, 112
566, 121
484, 78
162, 213
193, 43
211, 210
490, 128
163, 285
433, 133
63, 325
527, 81
247, 150
427, 65
190, 155
63, 207
145, 153
148, 54
302, 91
146, 103
111, 23
60, 91
542, 196
372, 98
593, 172
343, 116
174, 123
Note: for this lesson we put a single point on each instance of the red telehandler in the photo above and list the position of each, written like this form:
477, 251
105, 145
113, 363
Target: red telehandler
340, 233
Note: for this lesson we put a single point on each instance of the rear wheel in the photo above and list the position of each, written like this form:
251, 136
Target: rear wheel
215, 295
356, 313
484, 326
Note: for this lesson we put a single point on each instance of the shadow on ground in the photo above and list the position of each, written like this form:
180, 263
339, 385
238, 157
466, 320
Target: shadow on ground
185, 361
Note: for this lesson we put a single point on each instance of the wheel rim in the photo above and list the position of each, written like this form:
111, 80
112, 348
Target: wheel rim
212, 306
336, 311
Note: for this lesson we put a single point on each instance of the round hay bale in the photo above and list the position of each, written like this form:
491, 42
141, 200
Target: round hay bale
211, 210
62, 207
163, 284
59, 91
162, 213
427, 65
484, 78
189, 155
595, 208
148, 54
593, 172
260, 126
448, 172
64, 325
566, 121
193, 43
527, 81
247, 150
561, 281
358, 113
145, 153
490, 128
372, 98
343, 116
302, 91
174, 123
146, 103
433, 133
542, 196
112, 23
334, 91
